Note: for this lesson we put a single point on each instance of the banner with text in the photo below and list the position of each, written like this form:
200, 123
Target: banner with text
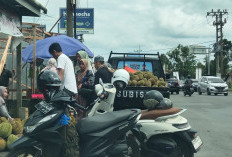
84, 21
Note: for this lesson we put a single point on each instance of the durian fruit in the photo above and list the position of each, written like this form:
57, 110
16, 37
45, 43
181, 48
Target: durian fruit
5, 129
148, 84
141, 83
136, 78
3, 119
11, 139
152, 81
155, 78
134, 83
161, 83
156, 85
140, 76
131, 76
2, 144
149, 75
138, 72
17, 127
161, 79
145, 74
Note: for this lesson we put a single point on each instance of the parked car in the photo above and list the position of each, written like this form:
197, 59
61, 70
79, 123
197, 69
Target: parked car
195, 84
212, 84
173, 84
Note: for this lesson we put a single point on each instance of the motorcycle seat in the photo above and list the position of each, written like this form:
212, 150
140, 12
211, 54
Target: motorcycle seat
153, 114
103, 121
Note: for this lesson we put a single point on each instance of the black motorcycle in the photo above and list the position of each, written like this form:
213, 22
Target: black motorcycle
99, 136
188, 89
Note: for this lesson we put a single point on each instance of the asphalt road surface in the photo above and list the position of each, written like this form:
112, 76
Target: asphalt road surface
211, 116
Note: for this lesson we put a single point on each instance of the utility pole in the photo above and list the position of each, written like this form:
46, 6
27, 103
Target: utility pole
75, 18
219, 37
69, 8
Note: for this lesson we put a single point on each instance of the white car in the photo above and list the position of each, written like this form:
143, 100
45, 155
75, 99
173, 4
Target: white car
211, 84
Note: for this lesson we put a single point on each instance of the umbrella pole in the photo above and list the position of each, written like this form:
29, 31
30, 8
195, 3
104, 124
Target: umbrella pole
34, 59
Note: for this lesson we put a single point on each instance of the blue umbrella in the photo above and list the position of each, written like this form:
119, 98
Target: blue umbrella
69, 46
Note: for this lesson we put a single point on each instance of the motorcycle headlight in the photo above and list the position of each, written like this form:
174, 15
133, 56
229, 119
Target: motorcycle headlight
29, 129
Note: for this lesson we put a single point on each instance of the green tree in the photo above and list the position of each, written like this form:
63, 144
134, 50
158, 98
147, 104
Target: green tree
183, 61
165, 61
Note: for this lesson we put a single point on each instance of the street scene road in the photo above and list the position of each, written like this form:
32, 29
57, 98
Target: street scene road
211, 116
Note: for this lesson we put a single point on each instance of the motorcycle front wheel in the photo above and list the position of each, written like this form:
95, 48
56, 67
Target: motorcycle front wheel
27, 152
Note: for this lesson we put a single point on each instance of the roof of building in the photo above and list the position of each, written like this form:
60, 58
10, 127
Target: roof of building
24, 7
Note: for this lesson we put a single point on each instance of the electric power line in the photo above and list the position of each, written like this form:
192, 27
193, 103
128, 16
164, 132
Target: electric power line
45, 7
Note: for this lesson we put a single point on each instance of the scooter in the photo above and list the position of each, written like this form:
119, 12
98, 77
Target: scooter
161, 133
102, 135
188, 90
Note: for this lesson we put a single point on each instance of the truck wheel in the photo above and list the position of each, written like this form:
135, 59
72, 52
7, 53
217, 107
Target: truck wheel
215, 93
225, 94
171, 92
208, 92
177, 92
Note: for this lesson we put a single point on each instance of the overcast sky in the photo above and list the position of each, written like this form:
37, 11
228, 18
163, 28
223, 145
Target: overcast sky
152, 25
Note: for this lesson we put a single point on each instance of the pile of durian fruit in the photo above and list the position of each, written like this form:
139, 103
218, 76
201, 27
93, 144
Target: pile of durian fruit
10, 131
146, 79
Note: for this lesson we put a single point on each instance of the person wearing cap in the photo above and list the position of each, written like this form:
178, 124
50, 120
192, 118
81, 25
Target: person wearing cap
102, 71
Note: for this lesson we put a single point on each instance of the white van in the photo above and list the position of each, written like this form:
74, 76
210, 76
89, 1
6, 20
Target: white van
212, 84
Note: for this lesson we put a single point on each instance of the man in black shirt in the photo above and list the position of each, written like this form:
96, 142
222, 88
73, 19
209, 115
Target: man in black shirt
102, 71
5, 76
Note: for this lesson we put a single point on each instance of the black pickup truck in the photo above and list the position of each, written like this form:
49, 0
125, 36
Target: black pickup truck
132, 97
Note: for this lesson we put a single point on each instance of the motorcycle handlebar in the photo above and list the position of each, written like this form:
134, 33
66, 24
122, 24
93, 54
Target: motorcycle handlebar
85, 108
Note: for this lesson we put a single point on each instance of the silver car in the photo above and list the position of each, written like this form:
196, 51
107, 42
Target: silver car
211, 84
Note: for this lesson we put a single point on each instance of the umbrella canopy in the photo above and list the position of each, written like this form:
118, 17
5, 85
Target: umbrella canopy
70, 47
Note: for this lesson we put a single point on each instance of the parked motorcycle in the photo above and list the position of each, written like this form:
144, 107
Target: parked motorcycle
101, 135
161, 133
188, 90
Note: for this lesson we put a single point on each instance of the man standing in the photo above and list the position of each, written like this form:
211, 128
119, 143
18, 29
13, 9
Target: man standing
65, 69
5, 76
102, 71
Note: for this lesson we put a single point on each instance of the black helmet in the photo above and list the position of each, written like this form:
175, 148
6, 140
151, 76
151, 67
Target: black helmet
152, 98
48, 82
188, 76
164, 104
